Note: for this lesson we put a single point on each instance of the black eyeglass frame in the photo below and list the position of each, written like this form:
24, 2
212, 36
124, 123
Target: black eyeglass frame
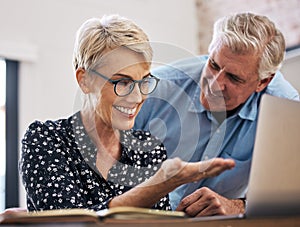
139, 82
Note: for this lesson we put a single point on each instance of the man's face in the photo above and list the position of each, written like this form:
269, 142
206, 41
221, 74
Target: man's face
228, 79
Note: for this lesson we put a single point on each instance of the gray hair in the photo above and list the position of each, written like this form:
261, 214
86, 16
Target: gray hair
248, 33
97, 36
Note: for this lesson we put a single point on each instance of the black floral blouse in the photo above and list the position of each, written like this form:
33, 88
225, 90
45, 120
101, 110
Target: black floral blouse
58, 166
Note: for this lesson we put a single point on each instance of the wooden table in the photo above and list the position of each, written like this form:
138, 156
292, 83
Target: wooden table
191, 222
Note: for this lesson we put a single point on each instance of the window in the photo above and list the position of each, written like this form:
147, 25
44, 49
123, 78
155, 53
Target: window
9, 177
11, 134
2, 133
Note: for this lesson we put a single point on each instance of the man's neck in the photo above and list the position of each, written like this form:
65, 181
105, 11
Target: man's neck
221, 116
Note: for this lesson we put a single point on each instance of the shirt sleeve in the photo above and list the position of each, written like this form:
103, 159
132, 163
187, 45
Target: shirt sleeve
280, 87
46, 174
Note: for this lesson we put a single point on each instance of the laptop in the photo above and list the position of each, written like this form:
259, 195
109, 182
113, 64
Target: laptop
274, 183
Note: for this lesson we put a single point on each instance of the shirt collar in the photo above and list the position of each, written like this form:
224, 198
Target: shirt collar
85, 145
195, 105
249, 110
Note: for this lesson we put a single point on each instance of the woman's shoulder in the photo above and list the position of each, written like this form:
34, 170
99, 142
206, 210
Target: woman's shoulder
38, 130
49, 142
43, 127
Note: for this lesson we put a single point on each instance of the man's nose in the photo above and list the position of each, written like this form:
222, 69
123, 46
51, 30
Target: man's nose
218, 81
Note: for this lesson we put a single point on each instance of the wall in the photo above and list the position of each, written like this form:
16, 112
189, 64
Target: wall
286, 15
291, 68
40, 34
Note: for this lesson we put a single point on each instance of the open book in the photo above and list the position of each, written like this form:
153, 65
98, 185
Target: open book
83, 215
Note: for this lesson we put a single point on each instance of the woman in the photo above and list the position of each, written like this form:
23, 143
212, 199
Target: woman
94, 159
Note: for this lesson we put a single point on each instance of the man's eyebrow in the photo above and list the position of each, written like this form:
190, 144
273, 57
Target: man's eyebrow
212, 61
236, 77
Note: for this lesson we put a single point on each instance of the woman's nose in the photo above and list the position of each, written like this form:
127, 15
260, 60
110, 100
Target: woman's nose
136, 95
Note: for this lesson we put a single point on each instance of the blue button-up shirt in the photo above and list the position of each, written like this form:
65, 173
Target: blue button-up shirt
175, 115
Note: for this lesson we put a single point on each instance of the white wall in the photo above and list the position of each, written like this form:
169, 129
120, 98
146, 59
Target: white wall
40, 34
291, 68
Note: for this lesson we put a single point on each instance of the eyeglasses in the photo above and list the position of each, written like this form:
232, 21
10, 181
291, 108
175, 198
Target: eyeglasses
125, 86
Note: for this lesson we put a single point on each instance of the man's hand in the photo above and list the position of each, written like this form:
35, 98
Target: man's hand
205, 202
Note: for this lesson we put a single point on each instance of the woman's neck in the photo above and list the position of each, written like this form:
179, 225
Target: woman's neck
107, 141
98, 130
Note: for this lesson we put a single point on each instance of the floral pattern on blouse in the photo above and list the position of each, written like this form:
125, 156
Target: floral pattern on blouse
58, 166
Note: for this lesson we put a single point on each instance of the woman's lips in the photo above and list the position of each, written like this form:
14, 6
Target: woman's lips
126, 110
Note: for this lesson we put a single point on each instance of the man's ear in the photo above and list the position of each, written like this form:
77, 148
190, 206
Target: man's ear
82, 80
264, 83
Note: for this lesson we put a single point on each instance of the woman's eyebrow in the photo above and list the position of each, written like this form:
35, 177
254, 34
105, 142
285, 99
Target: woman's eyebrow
127, 76
122, 75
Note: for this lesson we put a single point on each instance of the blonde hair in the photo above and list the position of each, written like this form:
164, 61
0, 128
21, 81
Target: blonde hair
248, 33
97, 36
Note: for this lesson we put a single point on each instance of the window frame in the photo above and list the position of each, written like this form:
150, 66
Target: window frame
11, 132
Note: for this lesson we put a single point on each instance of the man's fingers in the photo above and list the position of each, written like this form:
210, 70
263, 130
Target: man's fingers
207, 204
197, 208
210, 211
199, 203
189, 200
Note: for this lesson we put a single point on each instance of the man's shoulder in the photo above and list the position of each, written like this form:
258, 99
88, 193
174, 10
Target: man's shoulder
280, 87
181, 69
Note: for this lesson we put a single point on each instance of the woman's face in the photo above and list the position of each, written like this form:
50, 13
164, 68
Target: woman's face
112, 110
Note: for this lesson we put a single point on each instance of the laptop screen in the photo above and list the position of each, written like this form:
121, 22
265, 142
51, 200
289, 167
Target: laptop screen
274, 183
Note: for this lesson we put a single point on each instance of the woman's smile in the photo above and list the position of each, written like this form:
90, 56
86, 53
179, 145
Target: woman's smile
126, 110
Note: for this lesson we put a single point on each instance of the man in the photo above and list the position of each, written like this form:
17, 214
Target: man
208, 106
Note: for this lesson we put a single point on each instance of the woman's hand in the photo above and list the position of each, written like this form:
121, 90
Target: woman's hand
173, 173
180, 172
